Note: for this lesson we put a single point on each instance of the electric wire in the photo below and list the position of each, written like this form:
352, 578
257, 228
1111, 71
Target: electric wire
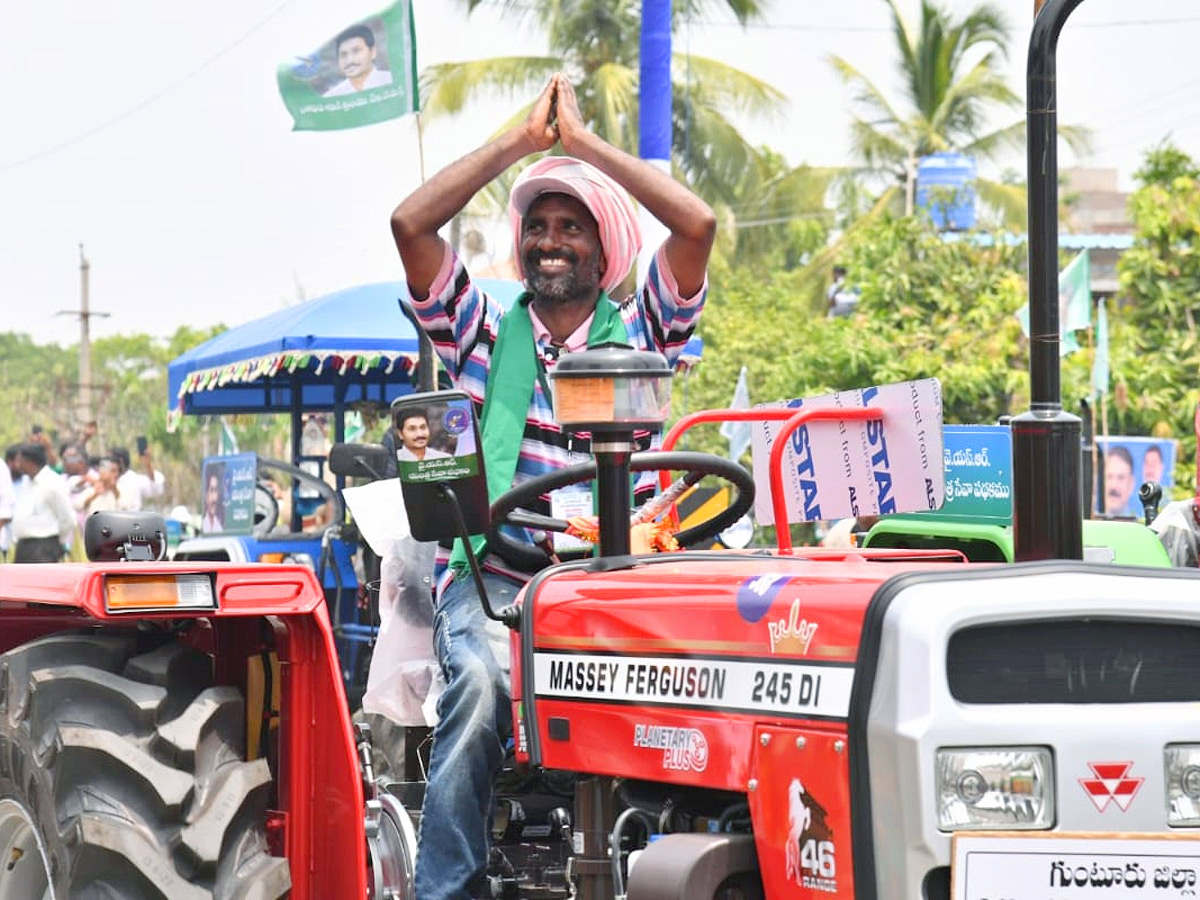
153, 98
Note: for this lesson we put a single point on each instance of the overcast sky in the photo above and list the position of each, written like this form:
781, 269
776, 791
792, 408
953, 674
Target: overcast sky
153, 133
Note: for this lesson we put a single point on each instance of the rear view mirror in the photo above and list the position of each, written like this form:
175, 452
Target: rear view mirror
438, 447
358, 460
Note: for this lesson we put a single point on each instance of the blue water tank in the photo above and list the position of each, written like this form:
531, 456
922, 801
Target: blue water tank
946, 188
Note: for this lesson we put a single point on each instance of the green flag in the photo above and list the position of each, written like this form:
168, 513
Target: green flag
1074, 300
366, 74
1074, 303
227, 444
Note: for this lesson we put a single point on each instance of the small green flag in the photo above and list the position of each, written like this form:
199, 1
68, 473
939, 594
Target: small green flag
1074, 303
366, 74
227, 444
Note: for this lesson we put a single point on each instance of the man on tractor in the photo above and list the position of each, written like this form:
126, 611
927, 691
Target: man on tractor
576, 238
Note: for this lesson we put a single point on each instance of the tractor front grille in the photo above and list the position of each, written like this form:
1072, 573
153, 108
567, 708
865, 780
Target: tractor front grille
1075, 661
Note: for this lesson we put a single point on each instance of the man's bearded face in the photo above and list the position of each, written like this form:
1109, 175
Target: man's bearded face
560, 250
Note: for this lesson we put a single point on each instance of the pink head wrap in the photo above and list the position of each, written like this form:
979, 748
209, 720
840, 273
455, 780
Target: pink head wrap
620, 237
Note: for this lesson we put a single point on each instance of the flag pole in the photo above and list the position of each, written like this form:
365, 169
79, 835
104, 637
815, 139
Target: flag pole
426, 365
421, 145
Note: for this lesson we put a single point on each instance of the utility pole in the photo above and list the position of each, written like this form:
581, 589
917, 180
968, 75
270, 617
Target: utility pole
83, 409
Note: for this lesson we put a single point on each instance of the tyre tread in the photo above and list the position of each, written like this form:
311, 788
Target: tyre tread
132, 766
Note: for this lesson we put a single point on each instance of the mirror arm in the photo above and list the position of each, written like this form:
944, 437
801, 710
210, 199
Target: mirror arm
370, 470
510, 616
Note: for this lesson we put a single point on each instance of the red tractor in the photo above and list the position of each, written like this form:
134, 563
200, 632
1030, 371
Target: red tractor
704, 724
695, 725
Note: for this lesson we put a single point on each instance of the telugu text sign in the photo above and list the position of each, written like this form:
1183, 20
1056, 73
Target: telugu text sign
1059, 866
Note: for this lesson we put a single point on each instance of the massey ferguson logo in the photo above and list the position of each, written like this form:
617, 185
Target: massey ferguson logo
1111, 784
684, 749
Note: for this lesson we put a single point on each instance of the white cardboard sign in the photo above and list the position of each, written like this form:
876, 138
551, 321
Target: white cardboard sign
1060, 866
841, 468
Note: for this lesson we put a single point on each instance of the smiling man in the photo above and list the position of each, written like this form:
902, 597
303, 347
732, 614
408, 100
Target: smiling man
576, 238
356, 61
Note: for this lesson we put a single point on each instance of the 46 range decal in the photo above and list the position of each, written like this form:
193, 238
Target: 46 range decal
787, 689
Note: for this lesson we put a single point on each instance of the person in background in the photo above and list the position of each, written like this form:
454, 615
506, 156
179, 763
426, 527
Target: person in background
86, 433
77, 471
38, 435
101, 492
845, 533
842, 299
19, 482
136, 487
7, 502
43, 521
78, 474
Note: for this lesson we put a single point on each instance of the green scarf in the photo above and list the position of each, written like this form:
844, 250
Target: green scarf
512, 373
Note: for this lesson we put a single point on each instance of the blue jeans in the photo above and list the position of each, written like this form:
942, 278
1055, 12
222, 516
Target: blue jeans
474, 723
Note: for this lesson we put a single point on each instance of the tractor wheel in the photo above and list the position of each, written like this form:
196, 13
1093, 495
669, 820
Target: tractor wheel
122, 777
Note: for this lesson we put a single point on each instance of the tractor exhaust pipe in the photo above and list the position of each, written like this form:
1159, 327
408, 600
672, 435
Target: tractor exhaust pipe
1047, 513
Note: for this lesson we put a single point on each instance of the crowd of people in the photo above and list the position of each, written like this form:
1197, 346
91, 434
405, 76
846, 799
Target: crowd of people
47, 492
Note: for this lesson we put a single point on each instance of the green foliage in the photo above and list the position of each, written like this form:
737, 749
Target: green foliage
1156, 348
596, 42
928, 308
39, 384
952, 83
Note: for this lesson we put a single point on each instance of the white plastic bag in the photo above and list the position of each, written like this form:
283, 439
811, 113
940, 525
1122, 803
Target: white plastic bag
1179, 532
405, 679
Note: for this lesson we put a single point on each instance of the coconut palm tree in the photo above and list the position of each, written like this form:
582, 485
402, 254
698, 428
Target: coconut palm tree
951, 79
596, 42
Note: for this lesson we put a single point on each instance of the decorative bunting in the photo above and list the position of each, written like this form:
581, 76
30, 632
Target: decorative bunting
265, 367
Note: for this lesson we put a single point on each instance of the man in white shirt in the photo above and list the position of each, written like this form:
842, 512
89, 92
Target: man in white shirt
78, 476
100, 491
43, 521
134, 488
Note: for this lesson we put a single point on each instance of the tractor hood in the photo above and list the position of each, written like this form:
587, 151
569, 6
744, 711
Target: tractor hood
660, 669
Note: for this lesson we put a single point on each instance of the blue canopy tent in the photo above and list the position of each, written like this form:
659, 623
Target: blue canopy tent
323, 355
347, 347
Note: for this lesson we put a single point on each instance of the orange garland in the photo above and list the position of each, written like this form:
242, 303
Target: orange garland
645, 537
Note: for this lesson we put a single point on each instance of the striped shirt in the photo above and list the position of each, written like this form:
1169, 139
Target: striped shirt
462, 322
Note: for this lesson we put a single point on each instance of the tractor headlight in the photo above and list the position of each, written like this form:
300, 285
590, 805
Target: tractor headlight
1181, 771
1003, 788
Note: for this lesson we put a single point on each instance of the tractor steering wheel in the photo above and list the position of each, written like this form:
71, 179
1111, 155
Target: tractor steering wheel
529, 558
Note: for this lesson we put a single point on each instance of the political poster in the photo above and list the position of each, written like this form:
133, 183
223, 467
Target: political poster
833, 469
978, 464
1129, 462
227, 494
366, 73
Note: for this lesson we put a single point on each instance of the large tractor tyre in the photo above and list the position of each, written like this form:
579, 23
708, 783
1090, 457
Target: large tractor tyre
122, 777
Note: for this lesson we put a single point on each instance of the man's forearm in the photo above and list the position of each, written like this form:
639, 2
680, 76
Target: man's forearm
689, 219
670, 202
416, 220
444, 195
